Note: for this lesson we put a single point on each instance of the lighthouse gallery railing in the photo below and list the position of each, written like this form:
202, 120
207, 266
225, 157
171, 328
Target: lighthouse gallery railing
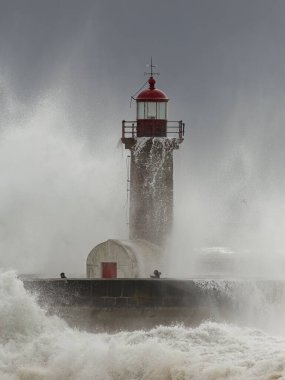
174, 129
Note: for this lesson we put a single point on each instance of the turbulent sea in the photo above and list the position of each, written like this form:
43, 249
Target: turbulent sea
35, 346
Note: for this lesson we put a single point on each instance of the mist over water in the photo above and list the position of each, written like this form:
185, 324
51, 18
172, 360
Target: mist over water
63, 188
237, 200
57, 188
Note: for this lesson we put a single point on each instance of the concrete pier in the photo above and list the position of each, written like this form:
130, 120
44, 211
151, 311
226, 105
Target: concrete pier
114, 304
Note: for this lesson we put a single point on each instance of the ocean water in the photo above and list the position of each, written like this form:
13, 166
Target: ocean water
35, 346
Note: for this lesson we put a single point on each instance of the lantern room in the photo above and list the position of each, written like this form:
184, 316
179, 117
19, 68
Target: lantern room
151, 117
151, 112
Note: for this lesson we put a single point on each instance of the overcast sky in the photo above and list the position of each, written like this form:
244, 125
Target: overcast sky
72, 66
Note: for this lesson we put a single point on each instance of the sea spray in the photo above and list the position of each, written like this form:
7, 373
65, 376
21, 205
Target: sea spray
34, 346
252, 303
151, 188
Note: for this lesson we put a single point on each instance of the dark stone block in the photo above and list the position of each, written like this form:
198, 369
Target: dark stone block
173, 288
121, 301
149, 301
132, 301
110, 301
98, 302
144, 288
79, 288
99, 288
115, 288
129, 288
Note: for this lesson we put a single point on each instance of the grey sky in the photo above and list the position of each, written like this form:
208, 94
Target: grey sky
204, 49
221, 62
211, 54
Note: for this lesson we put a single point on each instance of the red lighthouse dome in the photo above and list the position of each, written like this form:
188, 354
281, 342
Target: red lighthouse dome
152, 94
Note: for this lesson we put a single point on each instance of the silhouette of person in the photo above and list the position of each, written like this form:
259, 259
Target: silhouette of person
62, 275
156, 274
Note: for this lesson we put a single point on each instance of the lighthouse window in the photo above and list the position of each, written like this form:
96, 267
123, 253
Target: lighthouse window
162, 110
146, 110
140, 110
151, 110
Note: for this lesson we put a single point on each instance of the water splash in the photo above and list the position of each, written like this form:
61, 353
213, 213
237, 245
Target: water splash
249, 302
35, 346
55, 192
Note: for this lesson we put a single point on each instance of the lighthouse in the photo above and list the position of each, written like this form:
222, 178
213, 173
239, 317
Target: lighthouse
151, 140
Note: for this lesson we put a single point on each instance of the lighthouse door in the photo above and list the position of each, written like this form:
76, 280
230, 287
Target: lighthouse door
109, 270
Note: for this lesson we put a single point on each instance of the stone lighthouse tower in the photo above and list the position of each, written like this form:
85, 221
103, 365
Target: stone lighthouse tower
151, 139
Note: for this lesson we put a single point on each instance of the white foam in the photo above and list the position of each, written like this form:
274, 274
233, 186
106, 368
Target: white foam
34, 346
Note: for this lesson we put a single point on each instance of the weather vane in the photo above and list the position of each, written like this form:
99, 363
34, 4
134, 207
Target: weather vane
152, 73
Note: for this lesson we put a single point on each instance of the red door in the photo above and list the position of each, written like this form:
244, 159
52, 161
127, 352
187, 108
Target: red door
109, 270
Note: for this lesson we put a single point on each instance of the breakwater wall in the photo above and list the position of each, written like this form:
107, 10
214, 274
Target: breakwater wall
142, 303
119, 293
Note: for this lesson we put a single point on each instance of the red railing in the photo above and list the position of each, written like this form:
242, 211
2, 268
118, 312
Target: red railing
174, 129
